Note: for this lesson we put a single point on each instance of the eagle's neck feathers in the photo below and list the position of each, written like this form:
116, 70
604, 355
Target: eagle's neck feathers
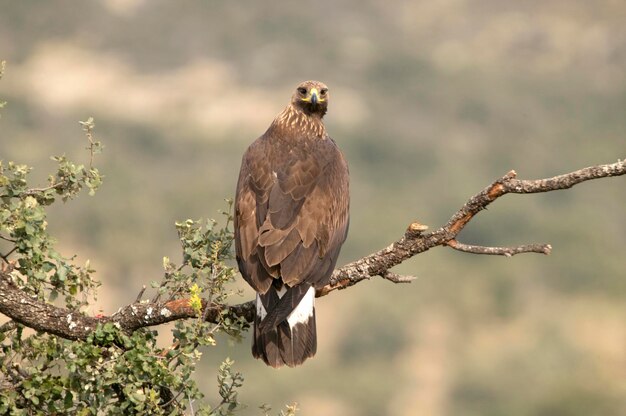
294, 121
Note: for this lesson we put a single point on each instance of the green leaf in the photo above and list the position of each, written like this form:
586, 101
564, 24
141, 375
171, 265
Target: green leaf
68, 400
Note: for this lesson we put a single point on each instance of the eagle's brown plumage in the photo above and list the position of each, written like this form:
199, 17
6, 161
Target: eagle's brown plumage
291, 218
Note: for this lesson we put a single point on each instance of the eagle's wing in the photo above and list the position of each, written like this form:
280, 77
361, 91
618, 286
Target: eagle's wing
291, 212
248, 213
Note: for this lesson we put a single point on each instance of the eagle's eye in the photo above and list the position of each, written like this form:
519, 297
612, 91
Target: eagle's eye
302, 90
323, 91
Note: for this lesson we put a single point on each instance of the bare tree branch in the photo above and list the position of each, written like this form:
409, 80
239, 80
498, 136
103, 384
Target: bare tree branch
398, 278
40, 316
500, 251
415, 241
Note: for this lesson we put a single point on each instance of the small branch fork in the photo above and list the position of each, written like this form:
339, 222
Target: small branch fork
30, 312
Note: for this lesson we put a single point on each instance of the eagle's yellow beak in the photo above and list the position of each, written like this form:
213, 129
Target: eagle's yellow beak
314, 96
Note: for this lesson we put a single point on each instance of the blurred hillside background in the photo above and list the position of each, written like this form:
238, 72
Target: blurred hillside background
431, 101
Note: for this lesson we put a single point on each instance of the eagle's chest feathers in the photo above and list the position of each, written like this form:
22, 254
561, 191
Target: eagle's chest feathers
295, 124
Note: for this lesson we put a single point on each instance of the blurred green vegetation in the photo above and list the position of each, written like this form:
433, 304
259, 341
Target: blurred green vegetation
431, 101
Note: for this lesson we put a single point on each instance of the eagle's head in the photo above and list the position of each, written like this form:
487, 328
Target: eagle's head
311, 97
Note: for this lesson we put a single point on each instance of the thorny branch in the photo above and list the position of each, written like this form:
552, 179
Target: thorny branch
23, 309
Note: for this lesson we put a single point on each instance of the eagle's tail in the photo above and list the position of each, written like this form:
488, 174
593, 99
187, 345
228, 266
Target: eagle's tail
284, 327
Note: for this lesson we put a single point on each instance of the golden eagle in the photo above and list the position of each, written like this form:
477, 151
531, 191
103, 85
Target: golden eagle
291, 218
